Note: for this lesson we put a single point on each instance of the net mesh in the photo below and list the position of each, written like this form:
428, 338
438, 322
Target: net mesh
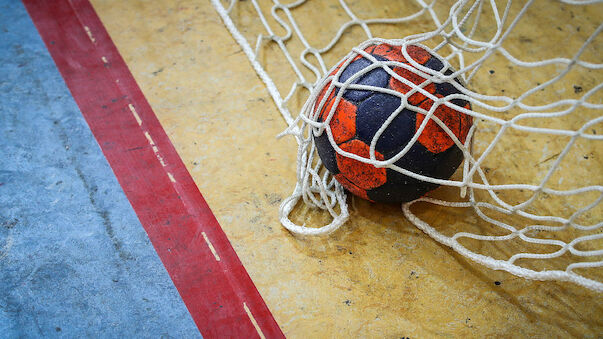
527, 197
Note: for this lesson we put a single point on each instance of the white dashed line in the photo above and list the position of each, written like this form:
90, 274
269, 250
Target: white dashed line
211, 247
89, 34
146, 134
155, 149
135, 114
255, 323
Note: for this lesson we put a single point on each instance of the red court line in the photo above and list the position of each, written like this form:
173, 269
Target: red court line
205, 269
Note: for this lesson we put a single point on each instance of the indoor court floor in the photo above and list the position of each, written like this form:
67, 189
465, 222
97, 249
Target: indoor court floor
139, 190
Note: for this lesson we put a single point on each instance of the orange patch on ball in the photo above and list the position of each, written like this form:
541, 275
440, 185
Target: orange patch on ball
433, 137
390, 52
348, 185
416, 79
363, 175
343, 123
418, 54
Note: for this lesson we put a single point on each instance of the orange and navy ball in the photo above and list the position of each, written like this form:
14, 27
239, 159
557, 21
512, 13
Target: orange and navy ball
361, 113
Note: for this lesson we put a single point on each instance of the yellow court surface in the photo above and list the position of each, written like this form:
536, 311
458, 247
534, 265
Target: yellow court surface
378, 276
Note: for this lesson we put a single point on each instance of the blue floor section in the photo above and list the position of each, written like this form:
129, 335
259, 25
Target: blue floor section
74, 259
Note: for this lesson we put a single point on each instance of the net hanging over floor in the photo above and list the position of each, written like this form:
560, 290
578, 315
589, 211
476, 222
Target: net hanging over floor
530, 184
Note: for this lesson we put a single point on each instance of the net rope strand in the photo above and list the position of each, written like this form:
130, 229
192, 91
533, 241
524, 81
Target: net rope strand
457, 36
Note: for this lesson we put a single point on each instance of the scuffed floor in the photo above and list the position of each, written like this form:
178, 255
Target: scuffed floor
74, 259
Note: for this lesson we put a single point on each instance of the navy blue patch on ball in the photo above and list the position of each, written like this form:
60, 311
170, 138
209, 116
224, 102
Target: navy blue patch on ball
371, 115
446, 89
418, 159
326, 152
402, 188
434, 63
448, 72
449, 161
399, 188
376, 77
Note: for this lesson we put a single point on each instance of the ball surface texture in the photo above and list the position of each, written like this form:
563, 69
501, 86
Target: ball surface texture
360, 113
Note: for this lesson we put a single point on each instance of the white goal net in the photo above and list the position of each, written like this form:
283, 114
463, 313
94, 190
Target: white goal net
528, 193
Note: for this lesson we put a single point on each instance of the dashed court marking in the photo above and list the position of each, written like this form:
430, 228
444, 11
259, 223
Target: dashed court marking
155, 149
255, 323
135, 114
148, 136
211, 247
87, 29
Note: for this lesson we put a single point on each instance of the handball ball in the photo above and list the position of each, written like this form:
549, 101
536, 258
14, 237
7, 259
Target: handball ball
360, 113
